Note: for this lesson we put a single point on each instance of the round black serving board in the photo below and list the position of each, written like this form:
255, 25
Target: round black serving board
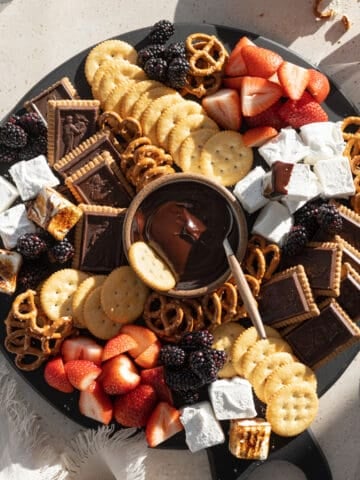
303, 450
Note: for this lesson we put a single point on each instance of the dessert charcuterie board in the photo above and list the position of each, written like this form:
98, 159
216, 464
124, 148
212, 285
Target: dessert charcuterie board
291, 449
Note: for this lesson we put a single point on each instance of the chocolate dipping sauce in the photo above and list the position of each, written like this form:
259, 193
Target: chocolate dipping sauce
186, 225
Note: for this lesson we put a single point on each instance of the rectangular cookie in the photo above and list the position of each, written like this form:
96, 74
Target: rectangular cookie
98, 239
287, 298
100, 182
350, 254
321, 338
70, 122
63, 89
86, 151
349, 298
322, 264
351, 225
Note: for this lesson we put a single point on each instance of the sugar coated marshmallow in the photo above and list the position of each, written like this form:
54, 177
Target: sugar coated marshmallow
232, 398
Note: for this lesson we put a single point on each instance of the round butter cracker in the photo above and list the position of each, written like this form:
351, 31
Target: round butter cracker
80, 295
96, 320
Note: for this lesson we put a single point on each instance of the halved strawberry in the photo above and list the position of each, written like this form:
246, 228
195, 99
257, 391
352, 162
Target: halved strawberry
232, 82
235, 64
303, 111
268, 118
258, 94
318, 85
81, 373
119, 344
134, 408
143, 336
223, 106
164, 422
95, 404
119, 375
55, 375
294, 79
150, 356
260, 62
81, 348
156, 378
257, 136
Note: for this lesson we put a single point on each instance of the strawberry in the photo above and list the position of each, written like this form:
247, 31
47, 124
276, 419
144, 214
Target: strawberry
164, 422
81, 348
235, 64
134, 408
119, 344
293, 79
155, 377
318, 85
232, 82
81, 373
119, 375
223, 106
258, 94
55, 375
301, 112
95, 404
260, 62
150, 356
143, 336
268, 118
257, 136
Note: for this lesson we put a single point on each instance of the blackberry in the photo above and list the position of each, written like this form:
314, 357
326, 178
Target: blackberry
182, 379
175, 50
13, 136
296, 240
31, 274
161, 31
39, 145
203, 365
155, 50
7, 155
172, 356
306, 216
202, 338
190, 397
61, 252
177, 72
156, 69
32, 124
31, 245
219, 357
329, 218
28, 152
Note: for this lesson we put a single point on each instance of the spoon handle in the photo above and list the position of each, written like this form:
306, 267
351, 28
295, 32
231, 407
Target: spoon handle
244, 289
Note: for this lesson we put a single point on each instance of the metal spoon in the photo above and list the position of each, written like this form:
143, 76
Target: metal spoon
244, 289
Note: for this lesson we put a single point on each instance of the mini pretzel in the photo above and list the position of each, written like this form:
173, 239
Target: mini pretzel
319, 14
139, 168
212, 310
152, 174
194, 308
355, 202
127, 156
255, 263
257, 241
207, 53
254, 285
152, 151
24, 307
355, 165
352, 148
110, 120
346, 123
162, 316
357, 183
129, 129
200, 86
229, 298
272, 259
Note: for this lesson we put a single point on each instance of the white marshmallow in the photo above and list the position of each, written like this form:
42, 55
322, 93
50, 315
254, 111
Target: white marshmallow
202, 429
232, 398
8, 194
324, 139
287, 146
249, 190
273, 222
31, 175
13, 223
335, 177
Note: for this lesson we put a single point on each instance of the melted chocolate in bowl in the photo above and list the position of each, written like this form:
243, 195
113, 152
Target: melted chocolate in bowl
186, 223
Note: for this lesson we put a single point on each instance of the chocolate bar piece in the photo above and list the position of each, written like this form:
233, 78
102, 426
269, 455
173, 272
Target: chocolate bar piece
70, 122
61, 90
349, 297
85, 152
322, 263
351, 226
321, 338
98, 239
287, 298
100, 182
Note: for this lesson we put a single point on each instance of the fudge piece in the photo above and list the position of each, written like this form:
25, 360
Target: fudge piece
273, 222
31, 175
8, 194
10, 263
14, 222
249, 190
53, 212
319, 339
232, 398
250, 439
202, 429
